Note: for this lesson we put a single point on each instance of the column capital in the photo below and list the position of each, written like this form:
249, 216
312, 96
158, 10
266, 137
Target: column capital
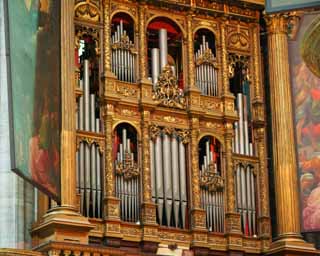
283, 23
277, 23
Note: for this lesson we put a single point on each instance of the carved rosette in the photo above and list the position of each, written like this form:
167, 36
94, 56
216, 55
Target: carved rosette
166, 92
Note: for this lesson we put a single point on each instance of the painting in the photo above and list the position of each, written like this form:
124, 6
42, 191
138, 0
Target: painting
34, 71
306, 96
289, 5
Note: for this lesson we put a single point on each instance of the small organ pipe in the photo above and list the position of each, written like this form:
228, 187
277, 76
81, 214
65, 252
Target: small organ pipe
155, 54
86, 96
98, 175
175, 179
167, 177
159, 175
163, 45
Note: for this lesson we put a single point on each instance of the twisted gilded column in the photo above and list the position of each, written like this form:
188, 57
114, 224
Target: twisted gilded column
142, 43
190, 52
232, 217
283, 142
224, 62
106, 39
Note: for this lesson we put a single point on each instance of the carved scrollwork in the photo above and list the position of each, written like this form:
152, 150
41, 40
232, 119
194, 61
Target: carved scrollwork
167, 92
233, 59
90, 139
87, 10
246, 163
207, 58
128, 169
156, 131
211, 180
83, 31
124, 44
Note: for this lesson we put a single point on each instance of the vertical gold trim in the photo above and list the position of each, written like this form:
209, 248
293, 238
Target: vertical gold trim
106, 34
68, 136
142, 43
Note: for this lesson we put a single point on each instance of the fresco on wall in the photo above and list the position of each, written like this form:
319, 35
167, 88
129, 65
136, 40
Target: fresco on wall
34, 42
306, 95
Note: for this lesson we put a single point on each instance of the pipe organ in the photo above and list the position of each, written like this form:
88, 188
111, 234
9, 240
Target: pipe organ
211, 183
127, 173
89, 157
123, 56
169, 176
206, 69
243, 144
170, 126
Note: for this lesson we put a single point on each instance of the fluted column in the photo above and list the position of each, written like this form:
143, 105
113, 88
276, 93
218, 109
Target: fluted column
60, 222
68, 130
284, 157
283, 142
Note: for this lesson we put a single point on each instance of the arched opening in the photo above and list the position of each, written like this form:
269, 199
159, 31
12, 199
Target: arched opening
164, 48
243, 142
205, 62
211, 183
127, 172
123, 57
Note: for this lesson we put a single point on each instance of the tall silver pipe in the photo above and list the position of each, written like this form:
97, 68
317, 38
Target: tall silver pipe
243, 196
86, 96
241, 128
81, 119
167, 177
253, 202
81, 176
152, 171
245, 121
155, 54
87, 177
159, 176
99, 173
163, 45
175, 178
236, 137
183, 181
249, 206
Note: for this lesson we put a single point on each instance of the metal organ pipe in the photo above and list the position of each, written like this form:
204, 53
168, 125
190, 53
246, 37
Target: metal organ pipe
88, 156
163, 45
212, 202
245, 181
123, 60
155, 54
169, 179
206, 73
127, 189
